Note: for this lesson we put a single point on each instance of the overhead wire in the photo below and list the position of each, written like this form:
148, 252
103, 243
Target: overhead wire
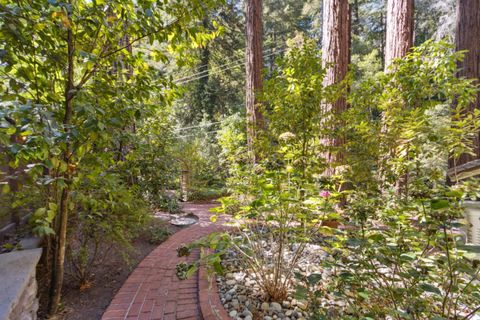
198, 126
237, 62
210, 73
226, 64
194, 134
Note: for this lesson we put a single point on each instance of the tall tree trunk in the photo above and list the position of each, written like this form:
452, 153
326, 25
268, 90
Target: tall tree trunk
335, 57
61, 232
254, 65
399, 40
382, 41
399, 29
467, 38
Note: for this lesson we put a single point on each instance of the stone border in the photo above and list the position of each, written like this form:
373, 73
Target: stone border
210, 304
18, 298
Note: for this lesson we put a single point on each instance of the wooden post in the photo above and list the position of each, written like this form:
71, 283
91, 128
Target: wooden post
184, 184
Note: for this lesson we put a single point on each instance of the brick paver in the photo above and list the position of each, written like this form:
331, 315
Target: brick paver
153, 291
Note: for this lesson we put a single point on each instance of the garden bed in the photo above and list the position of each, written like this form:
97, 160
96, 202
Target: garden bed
90, 302
242, 296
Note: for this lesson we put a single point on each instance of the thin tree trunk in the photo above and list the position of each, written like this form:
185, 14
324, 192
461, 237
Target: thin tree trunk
203, 90
14, 185
399, 29
61, 236
254, 65
355, 12
335, 57
467, 38
382, 44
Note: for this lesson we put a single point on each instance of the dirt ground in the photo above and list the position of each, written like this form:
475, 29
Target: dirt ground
90, 303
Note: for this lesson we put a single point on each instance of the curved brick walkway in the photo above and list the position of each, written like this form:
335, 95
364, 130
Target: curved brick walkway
153, 291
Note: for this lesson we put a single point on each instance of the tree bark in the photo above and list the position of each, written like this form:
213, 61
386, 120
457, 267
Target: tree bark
14, 185
58, 269
335, 57
399, 29
254, 65
467, 38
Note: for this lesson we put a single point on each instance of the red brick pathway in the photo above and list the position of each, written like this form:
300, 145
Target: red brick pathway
153, 290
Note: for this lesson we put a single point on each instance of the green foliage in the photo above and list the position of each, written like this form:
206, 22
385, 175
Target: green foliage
109, 216
203, 194
400, 257
158, 232
397, 255
280, 196
75, 90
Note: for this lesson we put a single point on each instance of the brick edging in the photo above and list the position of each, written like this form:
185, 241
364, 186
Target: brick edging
210, 305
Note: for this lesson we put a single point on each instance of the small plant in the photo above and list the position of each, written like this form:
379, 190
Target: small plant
168, 204
158, 233
183, 270
183, 251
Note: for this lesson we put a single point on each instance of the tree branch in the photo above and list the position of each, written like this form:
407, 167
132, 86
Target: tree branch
139, 38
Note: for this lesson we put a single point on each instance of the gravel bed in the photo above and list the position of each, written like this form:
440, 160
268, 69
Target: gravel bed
241, 295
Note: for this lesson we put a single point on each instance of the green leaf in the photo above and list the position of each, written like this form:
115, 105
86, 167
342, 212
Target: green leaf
430, 288
314, 278
437, 204
5, 188
301, 293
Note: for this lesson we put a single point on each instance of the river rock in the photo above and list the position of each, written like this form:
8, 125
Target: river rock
265, 306
275, 307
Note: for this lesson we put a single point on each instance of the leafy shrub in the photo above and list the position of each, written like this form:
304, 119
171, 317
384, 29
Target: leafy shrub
203, 194
399, 257
108, 219
158, 232
280, 196
396, 255
167, 203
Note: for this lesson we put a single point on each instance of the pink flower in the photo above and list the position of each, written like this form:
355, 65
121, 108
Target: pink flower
324, 194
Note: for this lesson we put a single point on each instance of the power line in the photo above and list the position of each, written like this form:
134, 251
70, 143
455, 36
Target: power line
238, 64
194, 134
199, 126
201, 75
229, 63
280, 49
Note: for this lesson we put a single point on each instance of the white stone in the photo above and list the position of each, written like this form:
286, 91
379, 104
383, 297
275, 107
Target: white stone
302, 305
231, 282
265, 306
275, 307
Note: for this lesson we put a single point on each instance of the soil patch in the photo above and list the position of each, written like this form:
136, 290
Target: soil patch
91, 303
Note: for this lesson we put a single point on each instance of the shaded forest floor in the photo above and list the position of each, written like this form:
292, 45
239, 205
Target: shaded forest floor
90, 303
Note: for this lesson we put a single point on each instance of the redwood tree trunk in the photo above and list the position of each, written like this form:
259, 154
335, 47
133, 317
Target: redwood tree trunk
468, 38
254, 65
335, 57
399, 29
